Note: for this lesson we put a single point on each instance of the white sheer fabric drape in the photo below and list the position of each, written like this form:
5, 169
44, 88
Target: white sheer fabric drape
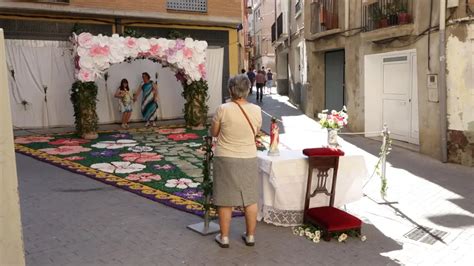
44, 72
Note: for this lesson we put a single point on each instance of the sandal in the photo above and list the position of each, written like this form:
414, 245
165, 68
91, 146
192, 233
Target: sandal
222, 241
249, 240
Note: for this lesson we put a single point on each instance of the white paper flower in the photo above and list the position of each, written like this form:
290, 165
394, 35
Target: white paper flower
200, 45
81, 51
181, 183
86, 62
101, 62
342, 237
189, 43
116, 55
119, 167
363, 238
316, 239
112, 145
85, 40
143, 44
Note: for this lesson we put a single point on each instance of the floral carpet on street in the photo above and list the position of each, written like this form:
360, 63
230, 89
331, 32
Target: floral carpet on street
162, 164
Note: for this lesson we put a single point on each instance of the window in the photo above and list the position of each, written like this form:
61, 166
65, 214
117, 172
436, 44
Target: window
187, 5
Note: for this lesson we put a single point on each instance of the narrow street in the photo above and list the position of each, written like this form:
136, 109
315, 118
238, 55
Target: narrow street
69, 219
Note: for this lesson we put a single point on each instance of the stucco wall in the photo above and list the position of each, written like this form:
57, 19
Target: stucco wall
357, 45
460, 86
11, 243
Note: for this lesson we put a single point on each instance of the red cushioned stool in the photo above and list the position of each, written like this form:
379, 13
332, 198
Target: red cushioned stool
329, 218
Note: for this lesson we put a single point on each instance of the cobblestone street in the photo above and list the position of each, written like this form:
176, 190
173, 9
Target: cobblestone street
69, 219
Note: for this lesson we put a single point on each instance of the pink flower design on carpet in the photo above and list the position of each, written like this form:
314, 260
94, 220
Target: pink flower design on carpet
165, 167
141, 157
181, 183
74, 158
65, 150
143, 177
68, 142
32, 139
186, 136
119, 167
166, 131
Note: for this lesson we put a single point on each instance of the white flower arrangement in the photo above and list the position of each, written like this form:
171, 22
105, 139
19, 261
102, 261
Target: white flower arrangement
314, 234
95, 53
335, 119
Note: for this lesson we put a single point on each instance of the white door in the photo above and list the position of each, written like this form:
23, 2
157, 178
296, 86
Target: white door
399, 96
414, 133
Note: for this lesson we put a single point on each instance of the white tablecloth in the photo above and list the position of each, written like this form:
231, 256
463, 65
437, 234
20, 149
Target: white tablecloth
283, 185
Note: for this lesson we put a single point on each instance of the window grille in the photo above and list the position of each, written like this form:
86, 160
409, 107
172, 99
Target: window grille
187, 5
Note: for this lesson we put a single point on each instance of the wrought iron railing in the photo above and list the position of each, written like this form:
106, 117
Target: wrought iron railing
386, 13
298, 6
324, 15
279, 26
274, 32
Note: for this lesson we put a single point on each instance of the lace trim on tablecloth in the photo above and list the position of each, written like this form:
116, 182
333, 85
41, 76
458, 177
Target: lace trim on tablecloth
282, 217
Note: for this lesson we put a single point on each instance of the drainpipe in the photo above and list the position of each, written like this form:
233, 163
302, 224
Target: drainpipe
442, 81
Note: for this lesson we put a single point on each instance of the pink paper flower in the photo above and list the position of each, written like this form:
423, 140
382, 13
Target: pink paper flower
154, 49
97, 50
85, 40
74, 158
32, 139
143, 177
186, 136
188, 53
165, 167
141, 157
130, 42
65, 150
68, 142
202, 70
85, 75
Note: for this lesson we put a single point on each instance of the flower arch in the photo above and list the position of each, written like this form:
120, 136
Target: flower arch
95, 54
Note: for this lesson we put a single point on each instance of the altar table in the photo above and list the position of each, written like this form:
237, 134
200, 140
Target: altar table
282, 184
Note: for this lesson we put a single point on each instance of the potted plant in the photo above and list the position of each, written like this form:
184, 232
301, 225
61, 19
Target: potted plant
379, 19
403, 15
392, 14
84, 99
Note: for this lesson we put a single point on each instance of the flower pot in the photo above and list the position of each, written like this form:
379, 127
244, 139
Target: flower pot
382, 23
332, 138
393, 20
90, 135
403, 18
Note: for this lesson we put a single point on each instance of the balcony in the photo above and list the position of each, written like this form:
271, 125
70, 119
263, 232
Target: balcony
274, 32
386, 13
298, 7
324, 16
279, 26
248, 41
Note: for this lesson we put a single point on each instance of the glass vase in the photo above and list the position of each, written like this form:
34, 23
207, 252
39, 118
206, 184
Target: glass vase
332, 138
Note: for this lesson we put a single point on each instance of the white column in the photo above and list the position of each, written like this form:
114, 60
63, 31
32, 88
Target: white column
11, 243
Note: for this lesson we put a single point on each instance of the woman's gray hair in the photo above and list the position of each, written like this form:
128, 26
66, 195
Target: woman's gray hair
239, 86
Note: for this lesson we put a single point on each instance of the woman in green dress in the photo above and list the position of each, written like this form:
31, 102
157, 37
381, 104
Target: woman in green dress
149, 99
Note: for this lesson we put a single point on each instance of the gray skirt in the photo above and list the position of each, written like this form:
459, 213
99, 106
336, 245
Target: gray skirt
235, 181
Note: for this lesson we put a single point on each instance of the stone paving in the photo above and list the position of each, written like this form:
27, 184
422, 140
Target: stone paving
69, 219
